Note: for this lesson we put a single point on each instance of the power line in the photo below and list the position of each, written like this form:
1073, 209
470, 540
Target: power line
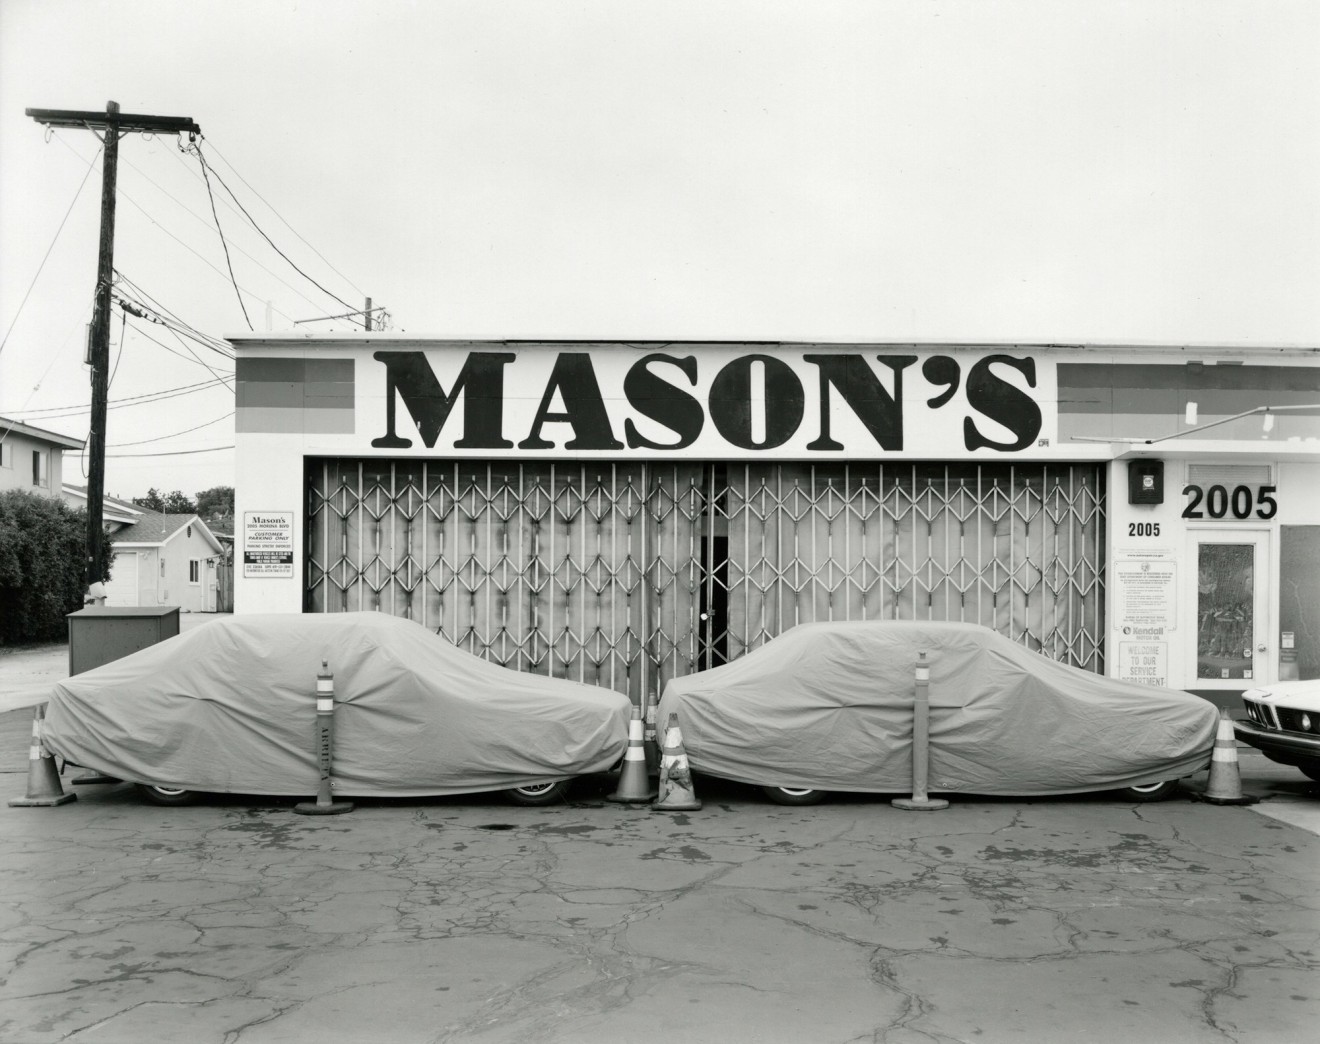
145, 399
156, 305
198, 146
201, 220
223, 157
175, 453
218, 229
190, 250
162, 438
140, 310
53, 241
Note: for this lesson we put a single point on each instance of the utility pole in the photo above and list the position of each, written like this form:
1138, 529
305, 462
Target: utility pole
366, 315
114, 124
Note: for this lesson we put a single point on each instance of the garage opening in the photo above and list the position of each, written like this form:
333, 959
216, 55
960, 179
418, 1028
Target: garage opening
627, 574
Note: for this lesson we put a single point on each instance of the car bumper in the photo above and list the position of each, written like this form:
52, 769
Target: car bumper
1289, 747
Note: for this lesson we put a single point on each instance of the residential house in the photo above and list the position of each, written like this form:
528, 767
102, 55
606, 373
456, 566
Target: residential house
32, 458
160, 559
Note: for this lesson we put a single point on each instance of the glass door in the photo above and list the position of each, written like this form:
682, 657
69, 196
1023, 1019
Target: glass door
1231, 650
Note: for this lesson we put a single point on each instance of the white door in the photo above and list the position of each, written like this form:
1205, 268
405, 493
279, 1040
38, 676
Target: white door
122, 587
1233, 634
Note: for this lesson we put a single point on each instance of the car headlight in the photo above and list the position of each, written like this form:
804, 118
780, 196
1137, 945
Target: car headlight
1306, 723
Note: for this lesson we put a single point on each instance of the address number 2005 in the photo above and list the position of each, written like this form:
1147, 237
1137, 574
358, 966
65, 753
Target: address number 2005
1220, 502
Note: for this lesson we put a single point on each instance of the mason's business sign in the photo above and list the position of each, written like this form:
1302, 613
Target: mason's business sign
719, 401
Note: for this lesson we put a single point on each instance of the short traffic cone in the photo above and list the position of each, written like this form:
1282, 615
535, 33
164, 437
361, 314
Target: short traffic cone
1225, 785
676, 793
44, 787
634, 783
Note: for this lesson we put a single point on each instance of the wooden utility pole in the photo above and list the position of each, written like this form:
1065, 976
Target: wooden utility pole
367, 315
114, 124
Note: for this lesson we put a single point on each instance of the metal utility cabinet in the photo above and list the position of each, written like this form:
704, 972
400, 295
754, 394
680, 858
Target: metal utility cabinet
100, 634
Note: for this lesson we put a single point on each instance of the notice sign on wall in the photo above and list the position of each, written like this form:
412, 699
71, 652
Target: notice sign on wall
1145, 593
268, 544
1145, 609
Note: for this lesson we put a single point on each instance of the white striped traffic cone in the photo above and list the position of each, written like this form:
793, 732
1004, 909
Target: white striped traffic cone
676, 793
1225, 785
634, 783
44, 788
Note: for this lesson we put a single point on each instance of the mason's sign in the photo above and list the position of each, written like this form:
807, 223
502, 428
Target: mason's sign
720, 401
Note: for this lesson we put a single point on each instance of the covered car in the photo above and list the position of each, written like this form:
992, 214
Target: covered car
828, 707
230, 707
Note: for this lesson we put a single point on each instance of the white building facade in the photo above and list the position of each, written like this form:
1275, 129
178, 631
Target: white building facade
623, 512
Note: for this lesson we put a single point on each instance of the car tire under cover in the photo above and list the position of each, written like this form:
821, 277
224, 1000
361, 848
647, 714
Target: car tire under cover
1150, 791
168, 796
794, 795
1311, 769
539, 793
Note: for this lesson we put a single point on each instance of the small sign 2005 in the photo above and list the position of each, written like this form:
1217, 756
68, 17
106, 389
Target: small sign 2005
1219, 502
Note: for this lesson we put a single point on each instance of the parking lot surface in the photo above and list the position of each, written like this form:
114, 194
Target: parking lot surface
465, 919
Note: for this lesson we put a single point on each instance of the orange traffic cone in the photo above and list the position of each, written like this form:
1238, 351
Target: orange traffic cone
43, 780
634, 783
1225, 785
676, 793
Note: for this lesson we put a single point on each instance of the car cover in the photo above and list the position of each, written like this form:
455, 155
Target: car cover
829, 707
230, 707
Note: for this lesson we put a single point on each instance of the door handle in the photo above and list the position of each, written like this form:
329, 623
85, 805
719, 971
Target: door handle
1260, 647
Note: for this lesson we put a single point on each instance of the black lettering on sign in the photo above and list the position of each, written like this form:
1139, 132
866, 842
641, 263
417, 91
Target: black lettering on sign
861, 389
731, 402
575, 379
1002, 402
656, 398
409, 376
940, 369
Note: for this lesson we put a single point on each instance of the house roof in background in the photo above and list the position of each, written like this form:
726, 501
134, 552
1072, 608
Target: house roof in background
155, 528
111, 508
41, 434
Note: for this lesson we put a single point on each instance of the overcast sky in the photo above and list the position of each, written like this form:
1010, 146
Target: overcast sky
891, 171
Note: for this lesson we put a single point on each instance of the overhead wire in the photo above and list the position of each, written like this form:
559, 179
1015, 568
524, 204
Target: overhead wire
198, 146
172, 435
145, 399
197, 217
271, 208
175, 453
211, 196
119, 192
46, 257
153, 303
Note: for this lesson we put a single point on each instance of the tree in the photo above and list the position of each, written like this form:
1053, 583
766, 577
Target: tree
179, 503
216, 503
43, 553
151, 500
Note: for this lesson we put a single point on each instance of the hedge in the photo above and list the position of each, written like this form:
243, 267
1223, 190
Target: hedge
43, 547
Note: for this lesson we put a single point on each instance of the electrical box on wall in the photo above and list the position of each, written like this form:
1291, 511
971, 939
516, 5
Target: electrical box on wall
1145, 482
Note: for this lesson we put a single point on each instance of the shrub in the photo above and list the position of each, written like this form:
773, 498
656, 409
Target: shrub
43, 547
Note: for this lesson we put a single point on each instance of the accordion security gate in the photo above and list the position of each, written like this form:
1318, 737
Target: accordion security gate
627, 574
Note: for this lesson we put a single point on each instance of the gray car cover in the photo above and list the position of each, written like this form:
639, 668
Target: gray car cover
829, 706
230, 707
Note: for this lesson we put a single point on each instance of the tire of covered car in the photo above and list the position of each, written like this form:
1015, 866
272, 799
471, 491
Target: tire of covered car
538, 793
168, 796
1150, 791
1311, 769
794, 795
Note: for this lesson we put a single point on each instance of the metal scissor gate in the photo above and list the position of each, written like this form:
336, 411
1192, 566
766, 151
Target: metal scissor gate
628, 574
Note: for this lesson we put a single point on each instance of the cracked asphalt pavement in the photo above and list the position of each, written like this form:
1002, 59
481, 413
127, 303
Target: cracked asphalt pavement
465, 919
